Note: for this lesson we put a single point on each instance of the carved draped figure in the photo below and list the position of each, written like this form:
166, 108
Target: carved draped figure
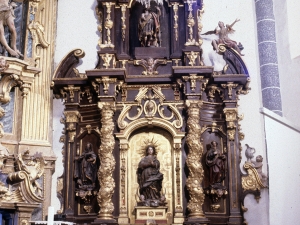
149, 177
216, 162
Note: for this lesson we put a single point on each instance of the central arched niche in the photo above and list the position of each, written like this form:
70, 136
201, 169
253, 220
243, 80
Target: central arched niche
138, 143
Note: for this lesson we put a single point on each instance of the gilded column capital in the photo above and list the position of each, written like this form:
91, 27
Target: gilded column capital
230, 86
71, 89
72, 116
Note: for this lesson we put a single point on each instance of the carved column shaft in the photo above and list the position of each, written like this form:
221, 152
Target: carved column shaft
123, 217
193, 161
231, 116
177, 176
39, 54
107, 162
72, 118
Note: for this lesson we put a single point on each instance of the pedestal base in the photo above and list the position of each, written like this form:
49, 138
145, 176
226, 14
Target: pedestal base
145, 214
105, 221
192, 221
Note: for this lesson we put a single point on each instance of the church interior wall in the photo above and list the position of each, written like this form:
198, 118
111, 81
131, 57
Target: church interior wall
275, 138
287, 36
284, 179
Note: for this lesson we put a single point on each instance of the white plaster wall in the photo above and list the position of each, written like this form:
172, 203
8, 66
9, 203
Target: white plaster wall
283, 144
57, 149
287, 36
76, 28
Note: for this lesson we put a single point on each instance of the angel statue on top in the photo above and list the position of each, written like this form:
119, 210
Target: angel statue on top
7, 18
223, 37
150, 179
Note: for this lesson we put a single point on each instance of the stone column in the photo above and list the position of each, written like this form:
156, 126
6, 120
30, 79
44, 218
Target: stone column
268, 56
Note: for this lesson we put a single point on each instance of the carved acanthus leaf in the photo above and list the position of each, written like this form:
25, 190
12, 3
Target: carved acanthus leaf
38, 35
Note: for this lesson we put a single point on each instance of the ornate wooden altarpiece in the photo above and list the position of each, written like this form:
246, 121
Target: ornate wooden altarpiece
151, 86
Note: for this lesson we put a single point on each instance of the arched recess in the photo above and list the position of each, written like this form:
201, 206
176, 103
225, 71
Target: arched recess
156, 127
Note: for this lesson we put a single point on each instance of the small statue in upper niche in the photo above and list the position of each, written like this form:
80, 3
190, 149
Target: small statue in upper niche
215, 160
7, 17
149, 28
150, 180
223, 37
86, 169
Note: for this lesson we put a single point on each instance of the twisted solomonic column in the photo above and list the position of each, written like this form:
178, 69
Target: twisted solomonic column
193, 161
107, 162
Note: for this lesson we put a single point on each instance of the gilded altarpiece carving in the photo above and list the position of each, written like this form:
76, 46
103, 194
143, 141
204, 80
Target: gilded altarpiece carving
151, 90
165, 154
26, 68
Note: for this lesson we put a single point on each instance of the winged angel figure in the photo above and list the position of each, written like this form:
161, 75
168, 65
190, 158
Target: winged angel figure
223, 36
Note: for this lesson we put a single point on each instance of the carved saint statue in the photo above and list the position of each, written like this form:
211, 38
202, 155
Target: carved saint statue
215, 160
86, 169
149, 28
223, 36
150, 179
7, 17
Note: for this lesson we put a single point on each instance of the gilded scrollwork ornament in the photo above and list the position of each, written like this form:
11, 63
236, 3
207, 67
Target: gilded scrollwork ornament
175, 9
99, 27
211, 92
105, 81
193, 56
200, 26
28, 170
256, 179
107, 58
123, 18
153, 103
193, 79
150, 65
108, 25
38, 34
191, 23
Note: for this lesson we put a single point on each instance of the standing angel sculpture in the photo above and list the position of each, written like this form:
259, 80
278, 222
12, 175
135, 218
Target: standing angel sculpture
223, 36
7, 17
